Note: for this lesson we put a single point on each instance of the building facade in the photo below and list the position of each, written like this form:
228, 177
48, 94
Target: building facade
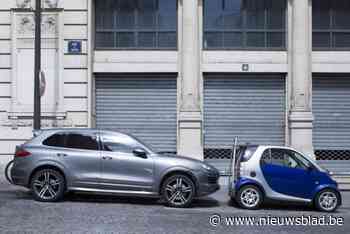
185, 76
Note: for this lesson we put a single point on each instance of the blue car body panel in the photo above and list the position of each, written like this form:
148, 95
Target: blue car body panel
295, 181
325, 183
246, 181
290, 181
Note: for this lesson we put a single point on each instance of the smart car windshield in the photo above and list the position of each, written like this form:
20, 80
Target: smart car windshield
308, 161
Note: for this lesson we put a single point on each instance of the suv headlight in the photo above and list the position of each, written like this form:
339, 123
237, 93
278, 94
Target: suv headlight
206, 167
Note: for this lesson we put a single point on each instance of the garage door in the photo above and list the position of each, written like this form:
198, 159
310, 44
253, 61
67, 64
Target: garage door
143, 105
251, 107
331, 109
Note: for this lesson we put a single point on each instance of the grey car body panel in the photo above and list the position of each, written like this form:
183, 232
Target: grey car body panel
109, 172
125, 171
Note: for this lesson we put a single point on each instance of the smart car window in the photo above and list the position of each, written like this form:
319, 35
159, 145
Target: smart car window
277, 157
56, 140
248, 153
81, 141
290, 160
265, 158
302, 159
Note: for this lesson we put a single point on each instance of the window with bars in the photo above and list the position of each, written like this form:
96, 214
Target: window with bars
331, 24
245, 24
136, 24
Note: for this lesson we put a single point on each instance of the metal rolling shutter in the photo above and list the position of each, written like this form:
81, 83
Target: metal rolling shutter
143, 105
251, 107
331, 133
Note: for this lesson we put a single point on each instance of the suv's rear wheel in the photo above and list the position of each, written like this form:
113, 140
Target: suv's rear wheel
48, 185
178, 191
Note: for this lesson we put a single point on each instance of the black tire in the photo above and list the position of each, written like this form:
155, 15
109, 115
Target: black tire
178, 191
255, 197
327, 206
8, 172
48, 190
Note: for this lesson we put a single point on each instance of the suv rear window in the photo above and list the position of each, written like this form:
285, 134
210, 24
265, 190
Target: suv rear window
56, 140
73, 141
80, 141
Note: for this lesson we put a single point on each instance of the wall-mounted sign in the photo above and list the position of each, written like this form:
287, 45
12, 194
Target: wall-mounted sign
245, 67
74, 47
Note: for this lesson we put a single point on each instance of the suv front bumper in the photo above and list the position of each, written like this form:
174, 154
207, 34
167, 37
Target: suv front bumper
208, 183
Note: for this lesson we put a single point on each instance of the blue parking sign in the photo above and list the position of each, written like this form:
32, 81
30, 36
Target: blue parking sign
74, 47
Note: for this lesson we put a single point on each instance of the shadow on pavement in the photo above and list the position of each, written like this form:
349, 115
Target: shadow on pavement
15, 193
205, 202
281, 206
107, 198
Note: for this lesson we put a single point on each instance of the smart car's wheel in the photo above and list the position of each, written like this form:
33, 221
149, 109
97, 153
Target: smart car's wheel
327, 200
178, 191
249, 197
47, 185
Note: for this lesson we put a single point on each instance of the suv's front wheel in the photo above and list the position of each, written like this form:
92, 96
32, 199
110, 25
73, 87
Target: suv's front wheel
178, 191
47, 185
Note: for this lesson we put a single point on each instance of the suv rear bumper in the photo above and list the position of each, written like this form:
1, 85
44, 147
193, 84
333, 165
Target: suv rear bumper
19, 174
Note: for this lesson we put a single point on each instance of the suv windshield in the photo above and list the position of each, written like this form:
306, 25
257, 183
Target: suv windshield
147, 146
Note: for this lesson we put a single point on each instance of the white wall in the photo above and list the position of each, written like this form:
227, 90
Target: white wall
135, 61
5, 71
232, 61
74, 74
330, 62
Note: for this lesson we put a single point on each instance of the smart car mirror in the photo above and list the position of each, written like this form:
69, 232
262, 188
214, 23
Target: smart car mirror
141, 153
309, 167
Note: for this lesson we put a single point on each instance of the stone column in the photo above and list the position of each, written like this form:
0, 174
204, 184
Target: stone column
190, 124
300, 116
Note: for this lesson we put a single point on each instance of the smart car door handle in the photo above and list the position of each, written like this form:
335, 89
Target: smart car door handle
107, 158
61, 155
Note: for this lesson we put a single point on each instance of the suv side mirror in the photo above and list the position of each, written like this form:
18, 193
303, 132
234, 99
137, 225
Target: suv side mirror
141, 153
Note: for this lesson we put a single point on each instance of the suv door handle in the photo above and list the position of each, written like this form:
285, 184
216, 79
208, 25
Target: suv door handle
107, 158
61, 155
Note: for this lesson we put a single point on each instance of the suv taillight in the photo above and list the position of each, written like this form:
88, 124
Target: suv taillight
22, 153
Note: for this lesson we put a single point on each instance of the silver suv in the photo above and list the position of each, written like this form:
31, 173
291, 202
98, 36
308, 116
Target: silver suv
87, 160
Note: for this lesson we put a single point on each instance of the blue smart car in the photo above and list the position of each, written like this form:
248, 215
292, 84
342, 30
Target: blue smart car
280, 173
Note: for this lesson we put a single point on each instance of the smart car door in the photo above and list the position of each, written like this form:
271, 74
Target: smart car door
122, 168
286, 174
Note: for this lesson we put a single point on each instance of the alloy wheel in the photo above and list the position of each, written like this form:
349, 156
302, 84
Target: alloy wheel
178, 191
47, 184
328, 200
250, 197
